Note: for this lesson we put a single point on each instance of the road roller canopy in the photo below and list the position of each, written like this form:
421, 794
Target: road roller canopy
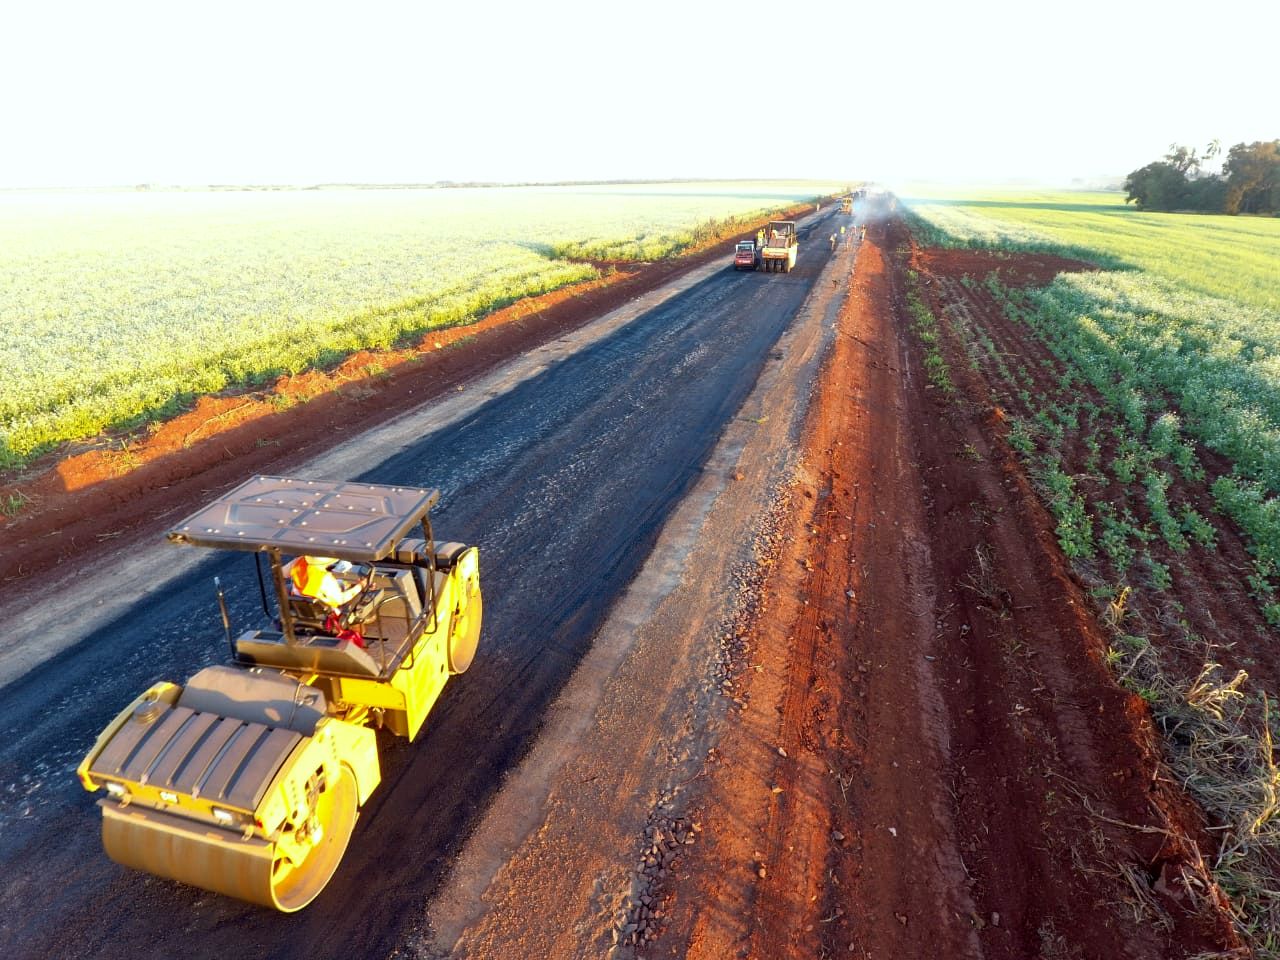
345, 520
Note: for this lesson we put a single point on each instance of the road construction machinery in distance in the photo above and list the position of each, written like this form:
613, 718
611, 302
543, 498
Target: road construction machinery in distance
745, 255
846, 204
780, 246
248, 779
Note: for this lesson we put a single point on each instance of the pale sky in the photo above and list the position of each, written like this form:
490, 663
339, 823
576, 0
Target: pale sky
198, 92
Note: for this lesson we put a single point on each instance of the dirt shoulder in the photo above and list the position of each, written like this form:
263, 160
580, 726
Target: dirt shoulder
929, 756
86, 503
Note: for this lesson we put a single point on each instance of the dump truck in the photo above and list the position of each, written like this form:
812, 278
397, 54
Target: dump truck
248, 779
780, 246
745, 255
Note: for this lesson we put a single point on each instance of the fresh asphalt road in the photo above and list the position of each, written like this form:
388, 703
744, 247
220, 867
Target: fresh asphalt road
563, 482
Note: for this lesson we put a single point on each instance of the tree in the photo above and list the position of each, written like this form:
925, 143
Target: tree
1249, 181
1253, 177
1157, 186
1207, 194
1183, 159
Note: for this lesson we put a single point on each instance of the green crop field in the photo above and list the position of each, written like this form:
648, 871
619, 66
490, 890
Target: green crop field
1194, 301
1237, 258
1182, 332
117, 307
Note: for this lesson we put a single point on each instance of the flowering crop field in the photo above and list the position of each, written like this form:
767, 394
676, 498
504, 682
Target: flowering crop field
118, 307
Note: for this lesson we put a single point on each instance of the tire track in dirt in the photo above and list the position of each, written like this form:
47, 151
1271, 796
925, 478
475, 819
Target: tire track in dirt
882, 573
824, 692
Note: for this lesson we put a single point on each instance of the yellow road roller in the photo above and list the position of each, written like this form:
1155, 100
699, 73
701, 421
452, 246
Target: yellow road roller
247, 780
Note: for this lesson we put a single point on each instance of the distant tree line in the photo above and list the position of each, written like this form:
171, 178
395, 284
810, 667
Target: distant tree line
1249, 181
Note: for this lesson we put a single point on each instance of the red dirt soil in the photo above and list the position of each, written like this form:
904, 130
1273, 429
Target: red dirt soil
1015, 270
79, 505
932, 758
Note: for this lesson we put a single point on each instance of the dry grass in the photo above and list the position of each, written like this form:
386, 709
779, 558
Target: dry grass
1220, 747
1218, 744
982, 582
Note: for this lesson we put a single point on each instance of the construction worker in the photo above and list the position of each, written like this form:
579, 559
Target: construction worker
313, 578
833, 243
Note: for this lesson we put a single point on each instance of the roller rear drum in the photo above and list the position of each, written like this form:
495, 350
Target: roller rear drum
222, 861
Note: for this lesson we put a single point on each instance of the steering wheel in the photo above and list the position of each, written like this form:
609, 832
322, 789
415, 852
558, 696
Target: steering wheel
352, 606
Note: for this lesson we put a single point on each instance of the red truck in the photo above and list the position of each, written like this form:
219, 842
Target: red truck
745, 255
